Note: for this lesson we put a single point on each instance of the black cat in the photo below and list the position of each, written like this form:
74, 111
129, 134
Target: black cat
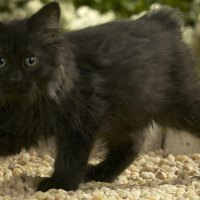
109, 81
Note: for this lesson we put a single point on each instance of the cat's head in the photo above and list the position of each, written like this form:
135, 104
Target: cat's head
31, 55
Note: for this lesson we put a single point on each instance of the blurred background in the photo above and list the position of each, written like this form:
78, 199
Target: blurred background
104, 9
82, 13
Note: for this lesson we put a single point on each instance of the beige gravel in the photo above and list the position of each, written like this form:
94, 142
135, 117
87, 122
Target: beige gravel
154, 176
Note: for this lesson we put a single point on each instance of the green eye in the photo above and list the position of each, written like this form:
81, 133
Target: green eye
3, 62
31, 61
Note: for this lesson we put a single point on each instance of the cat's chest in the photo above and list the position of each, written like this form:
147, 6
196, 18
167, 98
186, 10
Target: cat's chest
26, 121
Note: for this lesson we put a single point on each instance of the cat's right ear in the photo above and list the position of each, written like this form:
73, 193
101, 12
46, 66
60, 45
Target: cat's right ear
46, 19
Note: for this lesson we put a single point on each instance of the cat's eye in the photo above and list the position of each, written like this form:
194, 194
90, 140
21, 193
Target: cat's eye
3, 62
31, 61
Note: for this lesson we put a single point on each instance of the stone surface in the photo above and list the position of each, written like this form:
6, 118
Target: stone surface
176, 142
181, 142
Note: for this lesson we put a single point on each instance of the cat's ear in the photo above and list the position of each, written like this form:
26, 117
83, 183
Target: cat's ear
45, 20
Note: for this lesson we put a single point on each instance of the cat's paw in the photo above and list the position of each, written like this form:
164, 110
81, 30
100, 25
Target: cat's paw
90, 174
97, 173
48, 183
51, 183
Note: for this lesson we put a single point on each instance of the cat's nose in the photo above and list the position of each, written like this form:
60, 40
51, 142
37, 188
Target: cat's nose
15, 81
16, 78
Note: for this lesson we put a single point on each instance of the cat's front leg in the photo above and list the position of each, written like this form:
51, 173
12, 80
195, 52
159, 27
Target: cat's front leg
71, 162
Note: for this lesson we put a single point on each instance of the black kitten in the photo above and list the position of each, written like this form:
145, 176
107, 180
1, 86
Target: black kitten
110, 81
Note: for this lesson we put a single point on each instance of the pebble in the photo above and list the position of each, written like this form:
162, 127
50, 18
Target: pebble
161, 175
188, 167
25, 157
147, 175
147, 167
182, 158
17, 172
97, 197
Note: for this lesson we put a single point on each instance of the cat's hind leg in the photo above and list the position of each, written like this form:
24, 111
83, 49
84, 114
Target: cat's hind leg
122, 150
184, 113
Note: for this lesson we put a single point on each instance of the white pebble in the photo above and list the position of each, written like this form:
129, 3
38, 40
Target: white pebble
25, 157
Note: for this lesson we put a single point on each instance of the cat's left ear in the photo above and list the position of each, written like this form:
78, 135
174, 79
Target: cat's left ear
46, 19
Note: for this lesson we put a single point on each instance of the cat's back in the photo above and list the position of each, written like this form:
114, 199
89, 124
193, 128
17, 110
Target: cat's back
145, 47
152, 28
133, 57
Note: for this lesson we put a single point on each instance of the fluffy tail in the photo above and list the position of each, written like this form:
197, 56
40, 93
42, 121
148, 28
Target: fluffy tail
167, 16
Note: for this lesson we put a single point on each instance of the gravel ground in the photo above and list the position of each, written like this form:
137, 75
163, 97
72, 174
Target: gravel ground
153, 176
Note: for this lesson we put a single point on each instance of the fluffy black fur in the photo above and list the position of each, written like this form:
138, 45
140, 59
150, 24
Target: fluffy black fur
109, 81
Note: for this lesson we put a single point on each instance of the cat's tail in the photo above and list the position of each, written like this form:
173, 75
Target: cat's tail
169, 17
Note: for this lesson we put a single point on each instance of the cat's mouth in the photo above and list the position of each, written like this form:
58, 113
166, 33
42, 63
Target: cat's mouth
17, 89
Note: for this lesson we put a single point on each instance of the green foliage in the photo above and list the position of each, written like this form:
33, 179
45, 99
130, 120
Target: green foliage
7, 5
126, 8
121, 8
